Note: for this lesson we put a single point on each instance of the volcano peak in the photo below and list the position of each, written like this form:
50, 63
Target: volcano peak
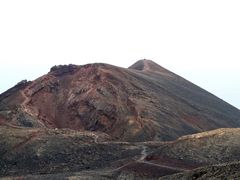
148, 65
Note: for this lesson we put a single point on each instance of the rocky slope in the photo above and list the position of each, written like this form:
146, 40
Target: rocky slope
144, 102
36, 153
215, 172
99, 121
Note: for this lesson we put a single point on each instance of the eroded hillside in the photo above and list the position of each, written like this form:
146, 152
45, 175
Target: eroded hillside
144, 102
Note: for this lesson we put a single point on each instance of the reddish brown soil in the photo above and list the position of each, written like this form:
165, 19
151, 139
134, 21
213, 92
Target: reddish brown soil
16, 147
141, 103
173, 162
142, 169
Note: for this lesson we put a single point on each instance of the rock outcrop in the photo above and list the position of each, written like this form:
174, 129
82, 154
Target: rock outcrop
99, 121
144, 102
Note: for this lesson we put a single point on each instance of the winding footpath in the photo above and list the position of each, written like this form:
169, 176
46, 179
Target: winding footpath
25, 141
144, 155
142, 158
26, 99
24, 105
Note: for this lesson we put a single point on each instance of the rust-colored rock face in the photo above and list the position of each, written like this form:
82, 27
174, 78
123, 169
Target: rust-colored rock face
141, 103
99, 121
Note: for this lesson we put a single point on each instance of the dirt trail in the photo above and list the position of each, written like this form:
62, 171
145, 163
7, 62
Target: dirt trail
121, 167
144, 155
26, 99
146, 66
95, 138
25, 102
24, 142
164, 166
25, 107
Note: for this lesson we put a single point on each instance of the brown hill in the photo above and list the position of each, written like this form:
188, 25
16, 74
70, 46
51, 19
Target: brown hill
143, 102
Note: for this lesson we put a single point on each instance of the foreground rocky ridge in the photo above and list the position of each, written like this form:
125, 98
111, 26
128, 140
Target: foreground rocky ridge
46, 153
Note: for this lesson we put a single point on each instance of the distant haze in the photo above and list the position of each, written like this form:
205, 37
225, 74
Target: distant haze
198, 40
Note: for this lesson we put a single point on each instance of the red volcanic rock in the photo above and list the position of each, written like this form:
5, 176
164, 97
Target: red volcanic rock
63, 69
143, 102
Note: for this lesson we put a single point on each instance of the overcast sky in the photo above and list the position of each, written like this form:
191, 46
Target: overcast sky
199, 40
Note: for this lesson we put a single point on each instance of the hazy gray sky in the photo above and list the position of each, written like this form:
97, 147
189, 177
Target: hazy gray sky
198, 40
